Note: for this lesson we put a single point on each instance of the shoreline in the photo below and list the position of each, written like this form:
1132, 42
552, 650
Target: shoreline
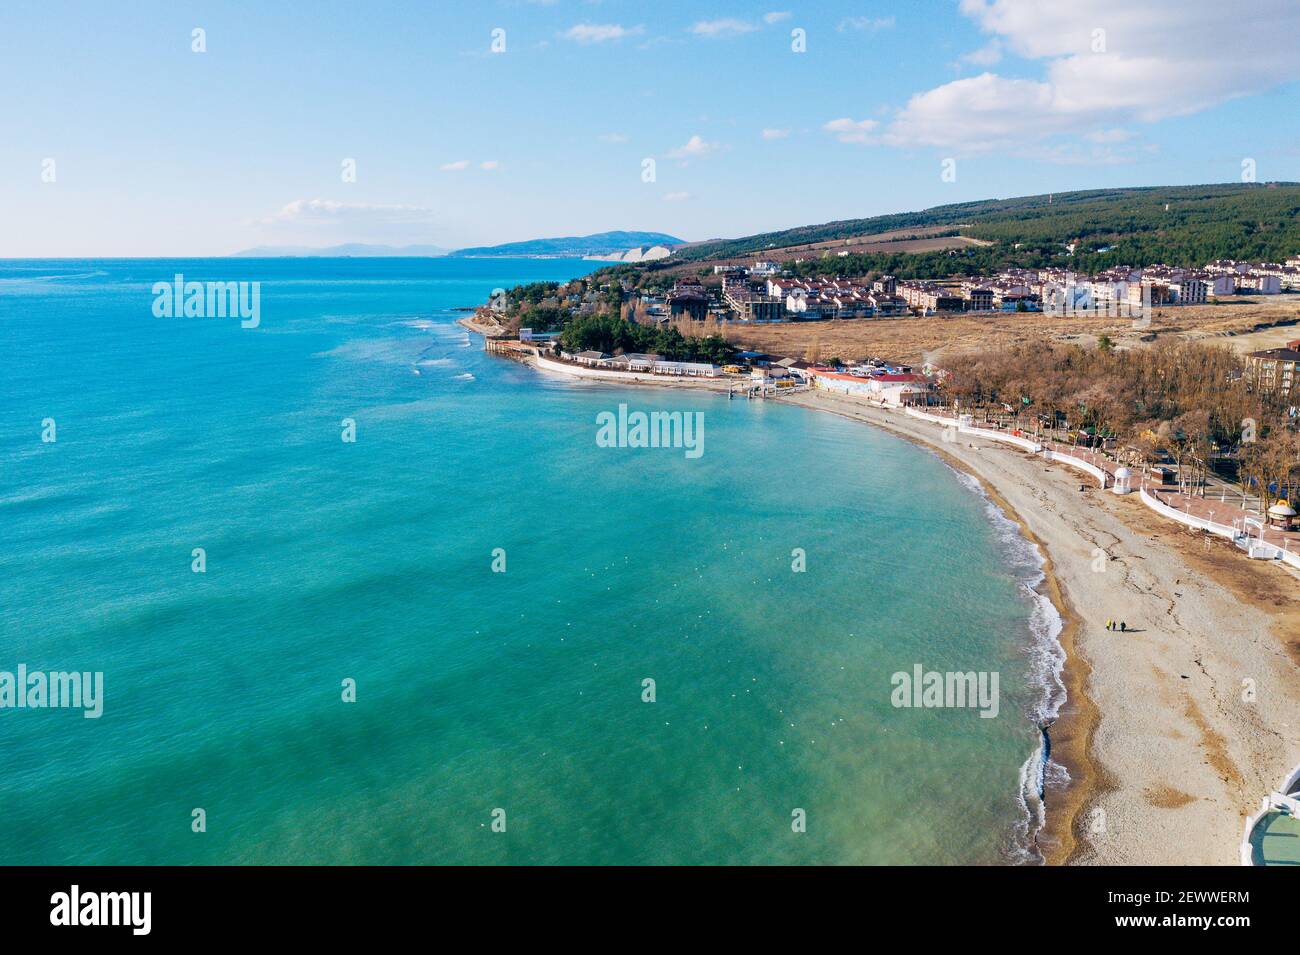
1166, 756
481, 328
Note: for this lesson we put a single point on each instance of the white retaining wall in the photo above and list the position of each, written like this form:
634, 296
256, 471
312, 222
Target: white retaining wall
1082, 465
1222, 530
926, 416
1200, 523
1022, 443
1291, 558
605, 374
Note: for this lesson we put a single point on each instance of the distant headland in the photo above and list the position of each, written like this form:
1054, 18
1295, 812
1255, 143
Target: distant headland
618, 246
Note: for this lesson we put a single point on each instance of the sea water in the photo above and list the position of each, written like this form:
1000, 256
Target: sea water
473, 634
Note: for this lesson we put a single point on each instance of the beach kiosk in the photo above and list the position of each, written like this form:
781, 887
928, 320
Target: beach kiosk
1123, 481
1282, 515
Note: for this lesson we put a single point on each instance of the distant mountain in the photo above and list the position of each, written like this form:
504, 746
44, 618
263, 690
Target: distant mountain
574, 246
353, 249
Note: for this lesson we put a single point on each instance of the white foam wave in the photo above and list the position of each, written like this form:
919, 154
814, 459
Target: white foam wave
1047, 661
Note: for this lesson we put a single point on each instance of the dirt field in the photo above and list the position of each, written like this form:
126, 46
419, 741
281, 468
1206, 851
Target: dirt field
918, 239
1247, 323
922, 239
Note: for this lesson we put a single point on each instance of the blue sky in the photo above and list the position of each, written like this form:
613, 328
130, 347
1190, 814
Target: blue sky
160, 150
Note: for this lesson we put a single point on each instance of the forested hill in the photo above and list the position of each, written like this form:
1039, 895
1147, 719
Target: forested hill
1253, 221
601, 243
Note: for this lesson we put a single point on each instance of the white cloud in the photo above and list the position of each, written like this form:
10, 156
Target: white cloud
615, 138
315, 220
987, 55
694, 148
776, 16
676, 196
865, 24
321, 211
775, 133
600, 32
852, 130
1110, 136
728, 26
978, 112
490, 164
1104, 63
456, 166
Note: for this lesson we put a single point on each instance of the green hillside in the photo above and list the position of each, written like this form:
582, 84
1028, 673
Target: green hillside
601, 243
1252, 221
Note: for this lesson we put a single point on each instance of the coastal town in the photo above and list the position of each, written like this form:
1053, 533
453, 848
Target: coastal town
764, 293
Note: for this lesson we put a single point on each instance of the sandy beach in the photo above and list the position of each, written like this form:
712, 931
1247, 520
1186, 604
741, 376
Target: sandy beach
482, 323
1167, 747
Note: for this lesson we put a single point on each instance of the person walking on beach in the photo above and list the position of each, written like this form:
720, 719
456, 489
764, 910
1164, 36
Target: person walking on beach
1123, 627
1109, 624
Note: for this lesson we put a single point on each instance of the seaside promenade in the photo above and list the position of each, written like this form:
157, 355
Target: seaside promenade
1220, 514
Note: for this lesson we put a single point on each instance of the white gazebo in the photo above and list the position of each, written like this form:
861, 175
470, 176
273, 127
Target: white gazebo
1123, 481
1282, 514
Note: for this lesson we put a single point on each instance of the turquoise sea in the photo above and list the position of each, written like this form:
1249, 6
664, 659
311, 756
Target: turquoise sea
522, 691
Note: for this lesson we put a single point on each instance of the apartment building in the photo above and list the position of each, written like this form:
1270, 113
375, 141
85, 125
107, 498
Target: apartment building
1274, 369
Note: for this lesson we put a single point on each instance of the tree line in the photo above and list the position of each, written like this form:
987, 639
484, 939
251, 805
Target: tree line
614, 334
1186, 402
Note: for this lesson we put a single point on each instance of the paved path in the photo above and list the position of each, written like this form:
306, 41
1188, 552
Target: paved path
1212, 508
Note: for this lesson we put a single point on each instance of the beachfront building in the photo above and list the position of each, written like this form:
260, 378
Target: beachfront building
685, 369
634, 361
899, 389
1274, 369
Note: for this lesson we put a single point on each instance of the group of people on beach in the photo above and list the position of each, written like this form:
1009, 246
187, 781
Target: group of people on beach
1119, 625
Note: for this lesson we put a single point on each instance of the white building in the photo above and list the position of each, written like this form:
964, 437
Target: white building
1259, 284
689, 369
